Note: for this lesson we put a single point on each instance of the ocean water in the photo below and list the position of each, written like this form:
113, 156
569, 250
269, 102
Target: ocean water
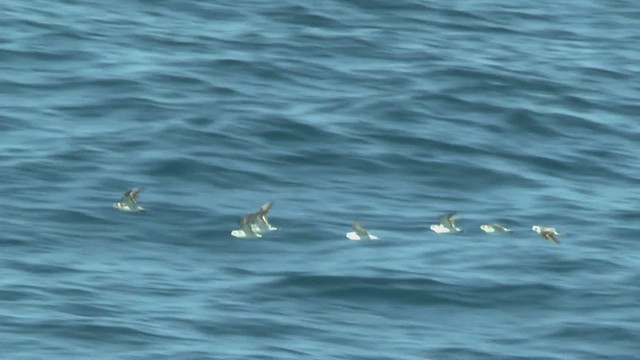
390, 112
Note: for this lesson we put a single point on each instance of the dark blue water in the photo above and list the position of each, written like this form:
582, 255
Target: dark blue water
391, 112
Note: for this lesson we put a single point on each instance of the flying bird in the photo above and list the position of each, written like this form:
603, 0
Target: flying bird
494, 228
255, 224
447, 224
548, 233
130, 201
360, 233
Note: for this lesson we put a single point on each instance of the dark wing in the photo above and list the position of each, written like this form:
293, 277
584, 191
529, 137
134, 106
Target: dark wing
132, 194
360, 230
448, 220
250, 219
246, 223
263, 213
131, 197
549, 236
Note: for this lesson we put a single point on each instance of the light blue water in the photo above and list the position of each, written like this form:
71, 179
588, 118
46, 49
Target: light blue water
391, 112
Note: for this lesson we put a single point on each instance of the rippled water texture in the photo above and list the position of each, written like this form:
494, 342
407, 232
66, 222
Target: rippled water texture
390, 112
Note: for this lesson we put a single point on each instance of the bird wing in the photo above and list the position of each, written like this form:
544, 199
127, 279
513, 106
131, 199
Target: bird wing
132, 194
359, 229
248, 224
263, 213
250, 218
131, 197
549, 236
448, 220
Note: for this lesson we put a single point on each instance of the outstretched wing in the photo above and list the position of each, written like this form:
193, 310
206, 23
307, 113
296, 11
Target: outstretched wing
131, 197
263, 213
132, 194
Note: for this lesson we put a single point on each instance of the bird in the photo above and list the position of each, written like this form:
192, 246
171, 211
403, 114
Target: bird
130, 202
255, 224
360, 233
548, 233
447, 224
494, 228
248, 230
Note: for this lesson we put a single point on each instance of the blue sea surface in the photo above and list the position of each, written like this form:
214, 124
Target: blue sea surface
391, 112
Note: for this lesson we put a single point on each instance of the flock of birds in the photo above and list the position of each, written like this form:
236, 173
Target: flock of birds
256, 224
